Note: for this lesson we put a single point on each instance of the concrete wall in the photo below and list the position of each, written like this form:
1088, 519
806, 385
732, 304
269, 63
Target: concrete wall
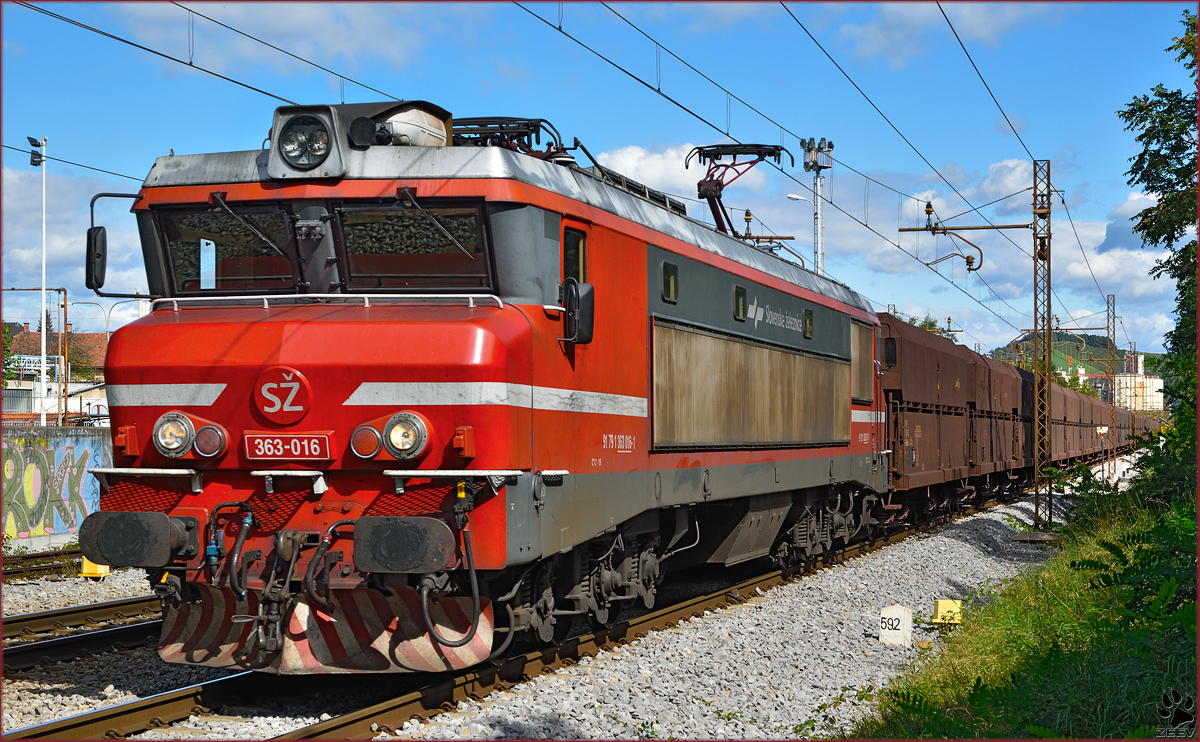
47, 489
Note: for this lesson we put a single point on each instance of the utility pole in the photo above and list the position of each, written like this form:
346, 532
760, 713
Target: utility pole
1110, 463
818, 156
1042, 323
38, 159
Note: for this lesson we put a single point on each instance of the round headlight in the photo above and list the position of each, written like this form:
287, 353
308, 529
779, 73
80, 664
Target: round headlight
304, 141
318, 142
173, 434
405, 435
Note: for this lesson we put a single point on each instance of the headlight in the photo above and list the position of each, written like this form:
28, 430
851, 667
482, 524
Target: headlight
304, 142
405, 435
173, 434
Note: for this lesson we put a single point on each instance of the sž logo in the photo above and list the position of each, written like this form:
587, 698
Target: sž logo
282, 395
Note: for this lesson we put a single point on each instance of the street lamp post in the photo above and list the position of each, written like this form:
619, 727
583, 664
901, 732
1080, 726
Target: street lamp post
816, 230
38, 159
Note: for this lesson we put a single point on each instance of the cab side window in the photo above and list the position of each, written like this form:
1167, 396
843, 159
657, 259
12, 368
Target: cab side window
574, 255
670, 282
739, 303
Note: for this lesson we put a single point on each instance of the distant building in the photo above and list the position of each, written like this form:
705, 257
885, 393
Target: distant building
82, 397
85, 351
1139, 392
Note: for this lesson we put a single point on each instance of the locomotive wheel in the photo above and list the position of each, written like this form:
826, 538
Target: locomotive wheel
562, 628
545, 607
605, 616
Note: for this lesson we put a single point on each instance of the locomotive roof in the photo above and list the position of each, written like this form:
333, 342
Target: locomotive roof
379, 163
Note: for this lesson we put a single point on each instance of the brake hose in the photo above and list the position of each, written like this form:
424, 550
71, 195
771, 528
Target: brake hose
235, 561
310, 577
216, 548
429, 625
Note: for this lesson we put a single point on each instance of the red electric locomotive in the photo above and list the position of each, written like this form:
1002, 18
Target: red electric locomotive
413, 386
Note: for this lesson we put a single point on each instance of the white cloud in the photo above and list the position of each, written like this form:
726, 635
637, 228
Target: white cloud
1134, 203
1017, 120
1003, 178
66, 226
350, 35
701, 18
902, 31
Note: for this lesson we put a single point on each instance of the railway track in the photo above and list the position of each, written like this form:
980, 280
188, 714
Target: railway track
79, 616
75, 631
40, 563
18, 657
421, 703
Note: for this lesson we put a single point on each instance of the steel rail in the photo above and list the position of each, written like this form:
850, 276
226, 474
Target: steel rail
158, 710
76, 616
162, 709
476, 683
18, 657
41, 562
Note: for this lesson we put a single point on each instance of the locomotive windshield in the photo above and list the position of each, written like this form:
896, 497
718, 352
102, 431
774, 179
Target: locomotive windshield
403, 248
213, 250
381, 247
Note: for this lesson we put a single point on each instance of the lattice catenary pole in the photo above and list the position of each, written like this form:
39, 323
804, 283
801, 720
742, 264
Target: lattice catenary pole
1042, 324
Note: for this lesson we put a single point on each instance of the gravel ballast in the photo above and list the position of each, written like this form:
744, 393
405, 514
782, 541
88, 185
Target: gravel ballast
759, 669
49, 593
65, 689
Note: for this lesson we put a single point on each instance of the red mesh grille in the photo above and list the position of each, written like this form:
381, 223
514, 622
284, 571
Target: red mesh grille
130, 494
275, 510
421, 498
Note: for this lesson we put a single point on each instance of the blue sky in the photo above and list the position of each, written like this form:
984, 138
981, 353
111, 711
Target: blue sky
1059, 70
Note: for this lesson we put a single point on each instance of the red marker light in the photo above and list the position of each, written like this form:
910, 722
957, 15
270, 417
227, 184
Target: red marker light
210, 441
365, 442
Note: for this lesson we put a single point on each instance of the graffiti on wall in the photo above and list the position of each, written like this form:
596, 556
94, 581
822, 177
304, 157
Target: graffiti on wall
47, 488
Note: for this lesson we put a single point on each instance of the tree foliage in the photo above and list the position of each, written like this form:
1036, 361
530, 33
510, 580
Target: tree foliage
47, 321
1165, 122
1071, 381
927, 323
10, 361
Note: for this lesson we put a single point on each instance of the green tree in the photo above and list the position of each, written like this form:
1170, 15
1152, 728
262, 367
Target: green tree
49, 322
927, 323
1071, 381
10, 361
1165, 122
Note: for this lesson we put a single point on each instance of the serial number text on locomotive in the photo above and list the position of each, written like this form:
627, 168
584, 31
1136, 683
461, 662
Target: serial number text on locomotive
287, 447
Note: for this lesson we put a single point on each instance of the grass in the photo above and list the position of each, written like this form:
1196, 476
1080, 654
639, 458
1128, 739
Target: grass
1084, 646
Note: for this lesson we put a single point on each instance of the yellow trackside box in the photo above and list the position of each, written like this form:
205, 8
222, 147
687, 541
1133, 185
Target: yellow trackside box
94, 571
947, 611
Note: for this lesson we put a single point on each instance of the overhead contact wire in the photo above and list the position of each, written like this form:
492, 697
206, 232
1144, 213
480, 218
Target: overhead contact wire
284, 51
716, 128
985, 85
1080, 243
973, 208
76, 164
1023, 146
155, 52
733, 95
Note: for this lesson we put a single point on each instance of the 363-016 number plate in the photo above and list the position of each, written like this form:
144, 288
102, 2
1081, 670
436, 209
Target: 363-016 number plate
288, 446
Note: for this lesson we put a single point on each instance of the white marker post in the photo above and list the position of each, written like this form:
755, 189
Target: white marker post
895, 626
